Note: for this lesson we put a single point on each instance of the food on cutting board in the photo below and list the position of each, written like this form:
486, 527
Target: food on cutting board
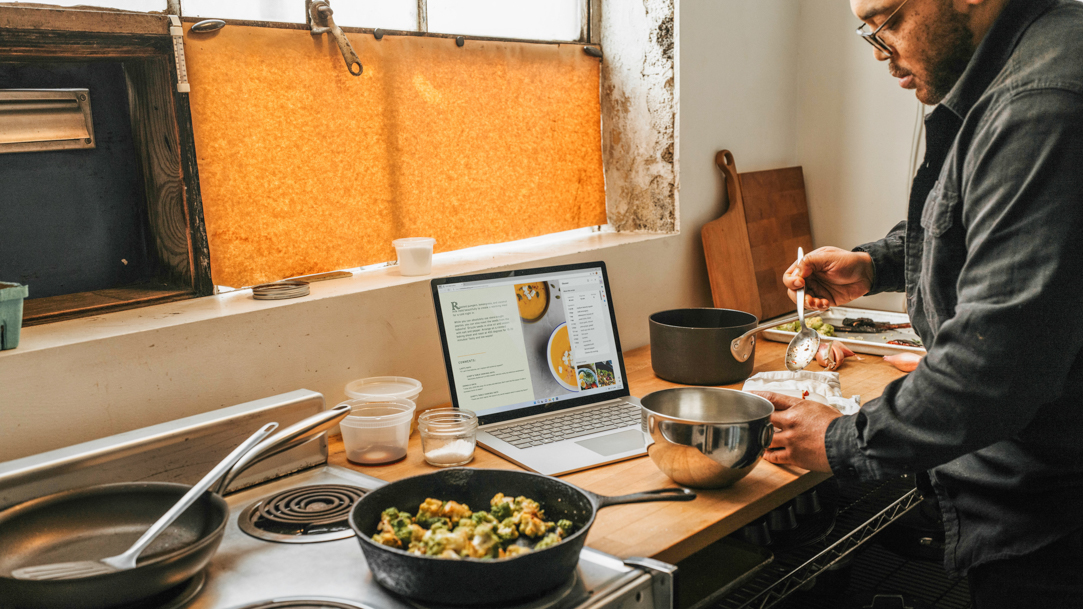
906, 362
560, 356
906, 342
816, 323
533, 299
866, 325
448, 529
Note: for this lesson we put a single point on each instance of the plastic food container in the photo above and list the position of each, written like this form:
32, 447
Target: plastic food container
377, 431
448, 436
379, 388
415, 255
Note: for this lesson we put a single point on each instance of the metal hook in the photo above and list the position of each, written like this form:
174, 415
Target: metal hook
321, 21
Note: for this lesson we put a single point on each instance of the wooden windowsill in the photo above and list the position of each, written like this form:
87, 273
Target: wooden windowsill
38, 311
539, 251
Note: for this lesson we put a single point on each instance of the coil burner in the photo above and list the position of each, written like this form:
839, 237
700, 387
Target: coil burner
306, 514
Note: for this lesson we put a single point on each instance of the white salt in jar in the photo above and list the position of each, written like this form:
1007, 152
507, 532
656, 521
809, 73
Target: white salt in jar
448, 436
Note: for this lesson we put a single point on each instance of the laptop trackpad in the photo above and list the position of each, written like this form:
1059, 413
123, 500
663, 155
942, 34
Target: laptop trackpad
620, 442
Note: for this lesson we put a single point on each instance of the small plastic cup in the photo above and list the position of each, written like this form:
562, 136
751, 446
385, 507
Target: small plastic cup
415, 255
380, 388
377, 431
448, 436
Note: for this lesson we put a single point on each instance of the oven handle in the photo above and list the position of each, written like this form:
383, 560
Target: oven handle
290, 437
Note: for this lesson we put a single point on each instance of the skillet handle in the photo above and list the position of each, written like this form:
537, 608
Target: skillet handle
660, 494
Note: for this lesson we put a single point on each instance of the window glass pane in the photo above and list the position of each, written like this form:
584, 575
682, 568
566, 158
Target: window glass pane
388, 14
253, 10
529, 19
127, 5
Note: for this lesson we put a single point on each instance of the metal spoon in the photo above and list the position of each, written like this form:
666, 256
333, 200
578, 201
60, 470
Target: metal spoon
803, 347
127, 559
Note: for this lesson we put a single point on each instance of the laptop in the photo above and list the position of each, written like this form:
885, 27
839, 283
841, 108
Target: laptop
535, 353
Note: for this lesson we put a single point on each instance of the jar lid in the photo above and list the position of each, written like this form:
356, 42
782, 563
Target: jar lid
378, 387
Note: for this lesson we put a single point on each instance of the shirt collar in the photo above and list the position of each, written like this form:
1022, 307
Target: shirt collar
993, 53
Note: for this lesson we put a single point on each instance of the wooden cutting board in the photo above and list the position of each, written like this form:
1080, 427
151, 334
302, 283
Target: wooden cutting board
755, 240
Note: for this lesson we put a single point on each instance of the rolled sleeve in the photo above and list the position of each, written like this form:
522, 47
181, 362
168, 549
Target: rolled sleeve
844, 454
888, 258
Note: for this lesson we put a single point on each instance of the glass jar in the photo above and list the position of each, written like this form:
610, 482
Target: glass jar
448, 436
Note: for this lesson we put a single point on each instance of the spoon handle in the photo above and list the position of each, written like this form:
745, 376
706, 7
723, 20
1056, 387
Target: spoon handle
801, 293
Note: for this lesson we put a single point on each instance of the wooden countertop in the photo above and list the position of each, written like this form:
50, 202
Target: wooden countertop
669, 531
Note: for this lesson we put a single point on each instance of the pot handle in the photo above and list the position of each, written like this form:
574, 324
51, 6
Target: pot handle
660, 494
741, 347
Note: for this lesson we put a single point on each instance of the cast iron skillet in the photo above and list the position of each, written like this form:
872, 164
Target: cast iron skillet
484, 582
104, 520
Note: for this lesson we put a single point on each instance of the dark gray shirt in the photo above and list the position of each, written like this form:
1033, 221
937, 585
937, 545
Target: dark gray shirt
991, 259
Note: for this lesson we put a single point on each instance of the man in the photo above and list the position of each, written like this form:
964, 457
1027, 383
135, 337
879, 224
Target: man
990, 259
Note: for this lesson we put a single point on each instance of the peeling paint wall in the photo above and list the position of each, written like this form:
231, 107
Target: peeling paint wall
639, 114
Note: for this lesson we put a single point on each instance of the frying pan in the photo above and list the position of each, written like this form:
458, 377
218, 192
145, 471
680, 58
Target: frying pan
104, 520
484, 582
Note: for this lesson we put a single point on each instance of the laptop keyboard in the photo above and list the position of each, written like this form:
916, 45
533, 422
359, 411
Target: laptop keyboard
573, 425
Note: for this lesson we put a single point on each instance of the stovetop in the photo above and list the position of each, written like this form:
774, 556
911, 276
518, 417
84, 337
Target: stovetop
252, 573
249, 572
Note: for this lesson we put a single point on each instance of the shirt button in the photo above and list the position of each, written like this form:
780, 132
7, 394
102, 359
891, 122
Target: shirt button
851, 471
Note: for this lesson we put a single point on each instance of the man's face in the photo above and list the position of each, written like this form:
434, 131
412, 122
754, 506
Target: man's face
931, 43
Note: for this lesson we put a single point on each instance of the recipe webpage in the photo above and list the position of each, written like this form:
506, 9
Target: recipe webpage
523, 341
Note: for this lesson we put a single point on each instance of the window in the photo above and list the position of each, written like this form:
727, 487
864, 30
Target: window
174, 218
555, 20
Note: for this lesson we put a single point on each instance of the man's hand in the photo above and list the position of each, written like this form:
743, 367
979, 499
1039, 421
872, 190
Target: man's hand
800, 426
831, 277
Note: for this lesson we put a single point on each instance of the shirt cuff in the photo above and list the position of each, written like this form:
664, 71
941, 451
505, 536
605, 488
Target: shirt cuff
882, 278
842, 441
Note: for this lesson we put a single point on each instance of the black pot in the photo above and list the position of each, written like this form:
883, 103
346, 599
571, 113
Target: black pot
469, 581
692, 346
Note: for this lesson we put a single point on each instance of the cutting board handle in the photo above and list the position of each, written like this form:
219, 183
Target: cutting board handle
725, 162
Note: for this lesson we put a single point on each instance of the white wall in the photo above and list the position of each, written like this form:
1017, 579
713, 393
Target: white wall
773, 82
855, 132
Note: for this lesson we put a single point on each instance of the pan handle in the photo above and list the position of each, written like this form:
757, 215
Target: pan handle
660, 494
741, 347
290, 437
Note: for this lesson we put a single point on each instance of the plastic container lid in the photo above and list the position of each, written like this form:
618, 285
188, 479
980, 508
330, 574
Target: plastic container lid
379, 387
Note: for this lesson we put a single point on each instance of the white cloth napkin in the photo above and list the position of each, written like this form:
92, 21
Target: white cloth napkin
826, 384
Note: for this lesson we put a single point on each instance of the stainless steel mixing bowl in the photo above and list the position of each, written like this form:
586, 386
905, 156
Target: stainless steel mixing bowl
706, 437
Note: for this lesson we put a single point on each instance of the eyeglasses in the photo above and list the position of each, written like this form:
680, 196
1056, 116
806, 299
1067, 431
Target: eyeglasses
873, 37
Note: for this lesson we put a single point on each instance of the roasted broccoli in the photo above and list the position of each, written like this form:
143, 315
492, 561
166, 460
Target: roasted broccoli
448, 529
551, 539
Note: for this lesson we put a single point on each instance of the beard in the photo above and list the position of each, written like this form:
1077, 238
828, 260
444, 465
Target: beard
949, 48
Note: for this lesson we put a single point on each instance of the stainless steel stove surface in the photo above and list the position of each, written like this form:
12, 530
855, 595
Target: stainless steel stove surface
248, 572
264, 560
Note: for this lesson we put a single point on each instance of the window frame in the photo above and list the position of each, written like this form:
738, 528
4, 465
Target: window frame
84, 32
142, 43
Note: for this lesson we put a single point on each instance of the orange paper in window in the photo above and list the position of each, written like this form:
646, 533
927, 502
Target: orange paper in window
304, 168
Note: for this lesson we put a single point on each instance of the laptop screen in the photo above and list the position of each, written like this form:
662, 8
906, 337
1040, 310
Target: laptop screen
525, 342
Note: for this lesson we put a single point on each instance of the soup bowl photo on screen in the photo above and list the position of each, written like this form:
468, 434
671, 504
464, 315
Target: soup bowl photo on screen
561, 361
705, 437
